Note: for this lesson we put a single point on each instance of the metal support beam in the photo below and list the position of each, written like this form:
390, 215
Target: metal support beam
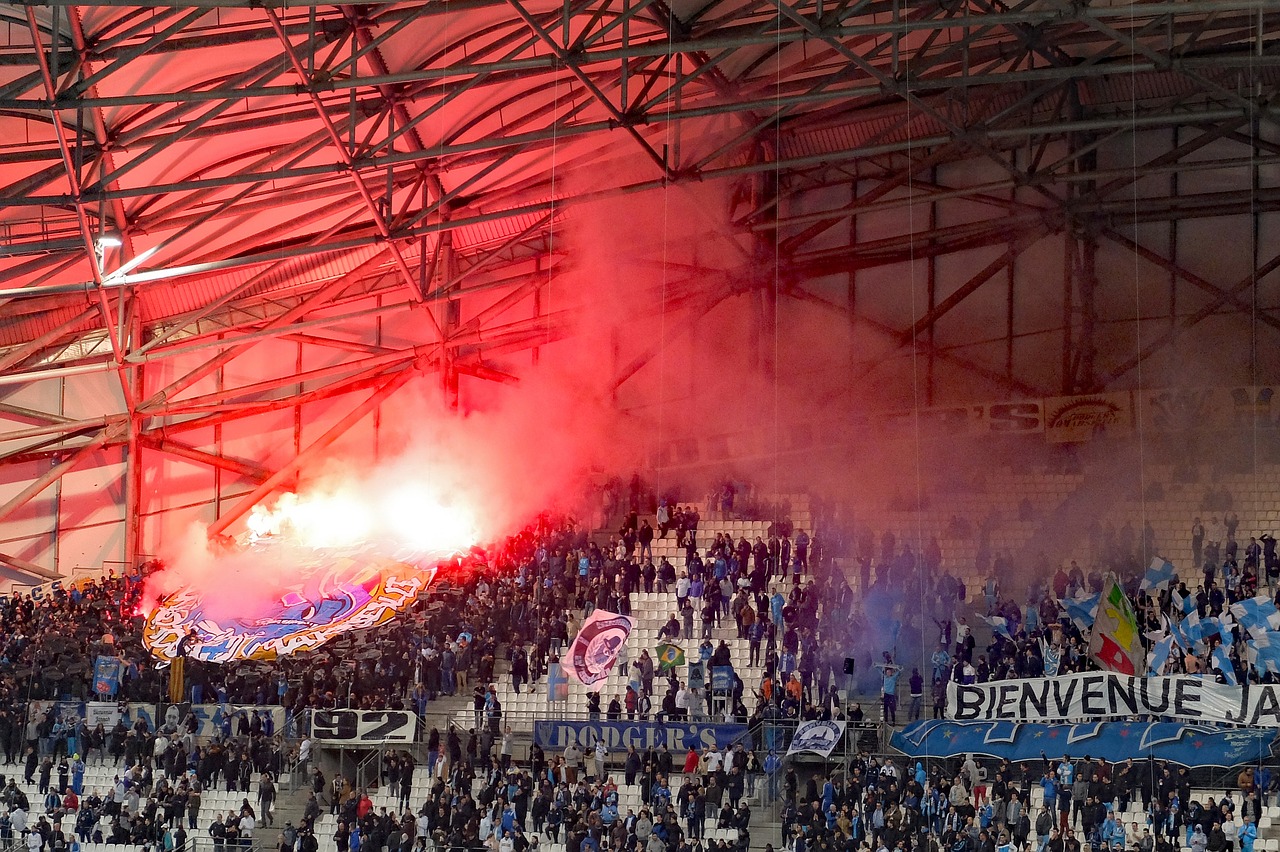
248, 470
38, 573
56, 472
925, 323
312, 451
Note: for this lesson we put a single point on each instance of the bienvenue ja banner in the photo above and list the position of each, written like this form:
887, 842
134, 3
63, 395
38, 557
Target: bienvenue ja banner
1107, 695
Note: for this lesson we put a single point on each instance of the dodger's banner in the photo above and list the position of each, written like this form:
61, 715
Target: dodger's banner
617, 736
1109, 695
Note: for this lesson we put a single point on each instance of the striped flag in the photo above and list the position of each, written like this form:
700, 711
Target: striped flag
1052, 659
1081, 611
1160, 651
1257, 614
999, 624
1263, 653
1181, 604
1159, 575
1222, 661
1190, 632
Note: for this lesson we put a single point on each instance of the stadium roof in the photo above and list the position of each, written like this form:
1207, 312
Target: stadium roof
190, 178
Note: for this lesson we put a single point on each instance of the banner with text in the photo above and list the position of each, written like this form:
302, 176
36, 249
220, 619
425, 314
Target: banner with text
94, 713
363, 727
617, 736
1108, 695
1082, 418
224, 719
817, 736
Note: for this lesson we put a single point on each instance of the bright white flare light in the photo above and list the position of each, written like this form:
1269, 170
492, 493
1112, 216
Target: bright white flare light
424, 523
407, 520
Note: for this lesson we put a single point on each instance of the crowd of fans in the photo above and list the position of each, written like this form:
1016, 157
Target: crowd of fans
521, 603
509, 804
1085, 804
505, 803
159, 777
1037, 624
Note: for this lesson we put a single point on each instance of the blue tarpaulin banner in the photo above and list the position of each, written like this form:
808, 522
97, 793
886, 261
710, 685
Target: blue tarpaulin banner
106, 675
1186, 744
677, 736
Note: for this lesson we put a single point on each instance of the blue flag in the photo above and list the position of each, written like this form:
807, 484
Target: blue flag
1226, 629
1190, 632
1181, 604
999, 624
1159, 575
1160, 651
1257, 614
557, 683
1263, 654
106, 675
1081, 611
1222, 661
1052, 659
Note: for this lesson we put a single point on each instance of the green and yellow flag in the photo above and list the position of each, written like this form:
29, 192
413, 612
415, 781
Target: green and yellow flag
1116, 643
669, 656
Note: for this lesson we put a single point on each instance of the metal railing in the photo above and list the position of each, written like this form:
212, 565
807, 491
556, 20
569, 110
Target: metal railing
195, 843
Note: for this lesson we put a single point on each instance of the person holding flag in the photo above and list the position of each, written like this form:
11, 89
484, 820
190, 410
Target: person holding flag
889, 672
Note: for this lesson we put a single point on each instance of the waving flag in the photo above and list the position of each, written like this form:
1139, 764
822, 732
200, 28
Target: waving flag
1116, 643
1081, 611
1189, 633
1160, 651
1226, 628
1257, 614
557, 683
1263, 654
595, 649
1181, 604
1052, 659
999, 624
1222, 661
669, 656
1158, 576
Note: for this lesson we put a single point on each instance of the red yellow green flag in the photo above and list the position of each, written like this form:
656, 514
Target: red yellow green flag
1116, 643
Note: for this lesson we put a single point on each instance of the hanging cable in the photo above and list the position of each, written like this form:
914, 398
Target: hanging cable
662, 317
776, 202
917, 438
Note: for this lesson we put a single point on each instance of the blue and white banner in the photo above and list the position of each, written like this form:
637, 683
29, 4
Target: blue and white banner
1189, 745
676, 736
594, 651
1110, 695
224, 719
94, 713
817, 736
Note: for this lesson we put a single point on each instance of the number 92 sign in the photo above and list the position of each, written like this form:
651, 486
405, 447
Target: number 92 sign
363, 727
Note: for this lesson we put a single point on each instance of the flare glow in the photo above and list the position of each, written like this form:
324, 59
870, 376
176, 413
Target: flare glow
308, 568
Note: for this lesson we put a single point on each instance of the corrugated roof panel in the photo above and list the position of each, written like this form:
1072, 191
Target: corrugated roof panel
174, 299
